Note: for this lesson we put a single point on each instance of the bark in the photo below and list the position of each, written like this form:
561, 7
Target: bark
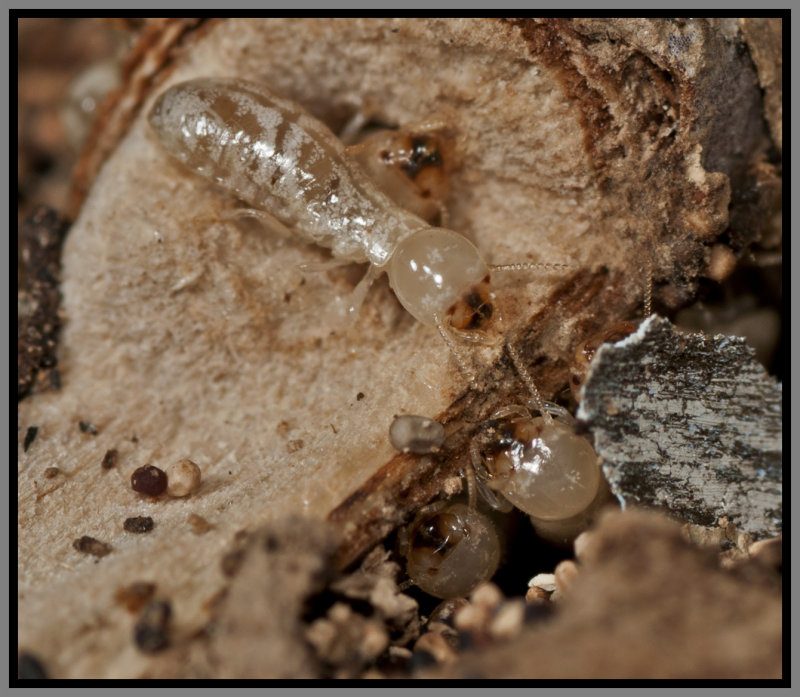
688, 424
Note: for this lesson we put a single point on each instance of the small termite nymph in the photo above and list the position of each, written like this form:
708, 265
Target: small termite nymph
450, 548
296, 174
416, 434
539, 465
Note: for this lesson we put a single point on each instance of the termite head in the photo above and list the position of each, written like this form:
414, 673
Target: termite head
412, 165
439, 276
450, 549
543, 468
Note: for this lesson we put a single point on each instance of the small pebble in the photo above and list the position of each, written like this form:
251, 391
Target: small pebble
89, 545
149, 480
508, 620
151, 631
30, 436
138, 524
198, 523
51, 472
470, 619
437, 646
535, 594
486, 595
545, 582
29, 667
581, 543
134, 596
183, 477
109, 459
721, 263
565, 574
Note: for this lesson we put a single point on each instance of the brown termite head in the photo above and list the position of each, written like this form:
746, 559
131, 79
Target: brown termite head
539, 465
450, 548
412, 165
587, 349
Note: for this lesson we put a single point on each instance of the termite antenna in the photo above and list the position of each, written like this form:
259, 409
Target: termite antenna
462, 363
525, 266
526, 378
648, 283
472, 492
356, 297
523, 372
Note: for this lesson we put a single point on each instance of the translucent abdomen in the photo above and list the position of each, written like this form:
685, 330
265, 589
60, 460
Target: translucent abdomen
273, 155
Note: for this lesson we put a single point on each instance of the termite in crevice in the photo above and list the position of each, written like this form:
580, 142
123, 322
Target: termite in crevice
297, 177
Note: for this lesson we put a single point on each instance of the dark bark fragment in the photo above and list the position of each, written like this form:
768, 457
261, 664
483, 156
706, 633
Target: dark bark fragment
38, 299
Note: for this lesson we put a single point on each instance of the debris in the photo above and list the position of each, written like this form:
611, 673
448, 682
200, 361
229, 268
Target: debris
508, 620
374, 582
151, 633
29, 667
258, 630
38, 299
149, 480
30, 436
646, 604
347, 640
198, 524
690, 424
109, 459
134, 596
139, 524
565, 574
89, 545
88, 427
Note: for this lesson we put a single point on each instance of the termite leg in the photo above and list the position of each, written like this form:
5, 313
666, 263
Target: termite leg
354, 300
268, 221
451, 344
523, 373
526, 378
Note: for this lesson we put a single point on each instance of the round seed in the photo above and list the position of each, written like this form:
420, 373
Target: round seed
184, 478
149, 480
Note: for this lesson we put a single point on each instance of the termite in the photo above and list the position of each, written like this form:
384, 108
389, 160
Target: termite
541, 466
293, 170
